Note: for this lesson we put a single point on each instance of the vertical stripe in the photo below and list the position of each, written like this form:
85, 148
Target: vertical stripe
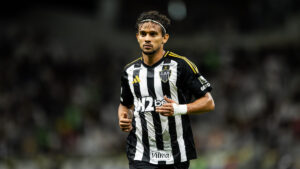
132, 142
156, 118
147, 121
163, 119
144, 137
137, 91
178, 120
187, 131
188, 138
172, 123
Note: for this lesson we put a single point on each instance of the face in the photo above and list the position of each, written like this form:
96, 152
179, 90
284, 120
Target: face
150, 38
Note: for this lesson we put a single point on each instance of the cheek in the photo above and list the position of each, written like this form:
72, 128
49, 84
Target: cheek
158, 42
140, 41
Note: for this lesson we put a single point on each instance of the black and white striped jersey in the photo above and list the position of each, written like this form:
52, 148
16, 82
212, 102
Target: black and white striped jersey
155, 138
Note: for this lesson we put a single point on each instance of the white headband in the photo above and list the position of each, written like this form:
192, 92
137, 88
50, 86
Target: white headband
151, 20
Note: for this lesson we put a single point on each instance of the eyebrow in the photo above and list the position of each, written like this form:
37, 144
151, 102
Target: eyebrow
149, 32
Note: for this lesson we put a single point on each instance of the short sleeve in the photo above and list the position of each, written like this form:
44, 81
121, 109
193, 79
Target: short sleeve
126, 97
193, 81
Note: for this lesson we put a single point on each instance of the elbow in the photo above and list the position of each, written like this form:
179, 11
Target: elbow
205, 104
211, 105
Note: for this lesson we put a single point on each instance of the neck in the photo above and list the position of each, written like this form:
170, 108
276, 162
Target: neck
152, 59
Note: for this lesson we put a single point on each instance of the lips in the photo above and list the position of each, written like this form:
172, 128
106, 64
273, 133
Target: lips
147, 46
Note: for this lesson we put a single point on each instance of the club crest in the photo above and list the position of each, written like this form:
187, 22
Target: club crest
202, 80
165, 75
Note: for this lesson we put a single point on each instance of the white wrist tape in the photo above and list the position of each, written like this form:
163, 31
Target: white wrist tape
179, 109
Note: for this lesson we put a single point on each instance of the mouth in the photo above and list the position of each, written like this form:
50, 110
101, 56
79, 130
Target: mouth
147, 46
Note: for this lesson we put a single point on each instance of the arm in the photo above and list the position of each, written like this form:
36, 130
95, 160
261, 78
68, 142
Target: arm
190, 80
124, 121
201, 105
126, 103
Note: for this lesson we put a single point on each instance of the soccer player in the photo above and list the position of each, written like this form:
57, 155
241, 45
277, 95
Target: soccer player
162, 89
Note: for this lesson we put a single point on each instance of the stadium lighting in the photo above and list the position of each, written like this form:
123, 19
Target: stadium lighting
177, 10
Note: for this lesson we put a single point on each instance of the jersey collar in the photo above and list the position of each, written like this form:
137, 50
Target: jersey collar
157, 63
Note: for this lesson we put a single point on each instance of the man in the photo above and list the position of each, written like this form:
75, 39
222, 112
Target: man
158, 88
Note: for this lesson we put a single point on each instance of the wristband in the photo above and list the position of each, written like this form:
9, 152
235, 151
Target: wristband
179, 109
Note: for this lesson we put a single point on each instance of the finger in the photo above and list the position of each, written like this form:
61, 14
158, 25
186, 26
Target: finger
167, 105
163, 111
166, 114
126, 120
169, 100
164, 108
126, 129
125, 115
124, 124
129, 129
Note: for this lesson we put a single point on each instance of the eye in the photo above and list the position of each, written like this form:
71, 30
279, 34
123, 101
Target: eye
142, 33
153, 33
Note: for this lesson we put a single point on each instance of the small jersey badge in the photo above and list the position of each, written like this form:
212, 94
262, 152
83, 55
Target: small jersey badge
165, 75
136, 80
202, 80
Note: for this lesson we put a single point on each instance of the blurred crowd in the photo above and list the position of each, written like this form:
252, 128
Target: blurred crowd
50, 103
60, 112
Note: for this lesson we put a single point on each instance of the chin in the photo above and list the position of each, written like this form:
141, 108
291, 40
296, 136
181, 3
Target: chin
149, 52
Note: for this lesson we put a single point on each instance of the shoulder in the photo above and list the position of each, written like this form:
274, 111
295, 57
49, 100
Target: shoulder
184, 61
137, 60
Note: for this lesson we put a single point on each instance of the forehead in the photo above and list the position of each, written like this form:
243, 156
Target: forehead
149, 26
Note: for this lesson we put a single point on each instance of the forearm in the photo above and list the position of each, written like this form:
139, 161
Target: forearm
201, 105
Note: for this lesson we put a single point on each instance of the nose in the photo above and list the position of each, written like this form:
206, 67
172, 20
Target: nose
147, 38
147, 41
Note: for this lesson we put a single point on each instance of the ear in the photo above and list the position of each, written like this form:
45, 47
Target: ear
166, 38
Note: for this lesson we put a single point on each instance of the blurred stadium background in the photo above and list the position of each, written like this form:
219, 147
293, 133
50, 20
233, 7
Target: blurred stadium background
60, 65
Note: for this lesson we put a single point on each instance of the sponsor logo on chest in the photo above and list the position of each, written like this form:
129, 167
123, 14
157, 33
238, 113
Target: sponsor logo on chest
146, 104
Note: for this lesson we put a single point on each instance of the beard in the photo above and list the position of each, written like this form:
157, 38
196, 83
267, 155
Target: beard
149, 53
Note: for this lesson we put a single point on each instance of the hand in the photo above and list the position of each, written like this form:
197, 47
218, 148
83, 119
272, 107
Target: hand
125, 122
167, 108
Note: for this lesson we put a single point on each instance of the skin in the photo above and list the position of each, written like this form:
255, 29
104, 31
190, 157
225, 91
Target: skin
151, 42
124, 121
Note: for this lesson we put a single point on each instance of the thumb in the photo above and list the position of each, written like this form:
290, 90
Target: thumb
125, 115
169, 100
